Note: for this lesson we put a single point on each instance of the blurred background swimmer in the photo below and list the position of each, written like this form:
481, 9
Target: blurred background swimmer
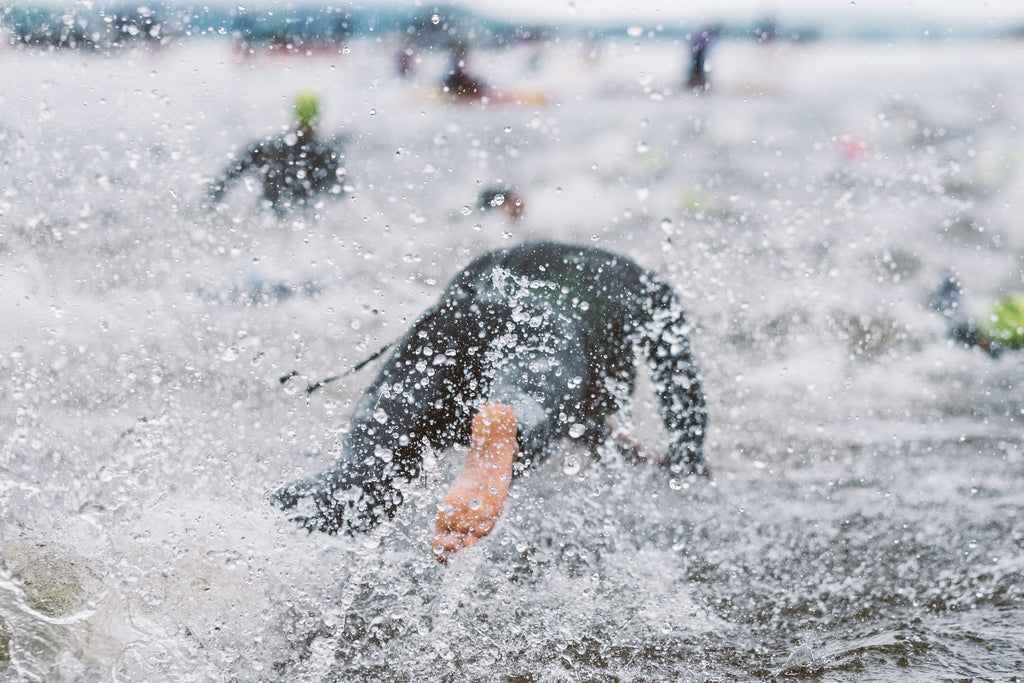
506, 200
294, 168
1000, 328
458, 83
700, 43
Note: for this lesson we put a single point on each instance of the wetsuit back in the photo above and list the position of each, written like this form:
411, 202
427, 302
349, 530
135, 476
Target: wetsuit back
552, 330
293, 169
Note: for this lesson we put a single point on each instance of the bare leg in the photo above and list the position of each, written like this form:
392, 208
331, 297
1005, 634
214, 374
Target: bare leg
469, 511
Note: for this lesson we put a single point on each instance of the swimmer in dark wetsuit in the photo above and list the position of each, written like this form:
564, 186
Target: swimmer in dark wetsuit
1001, 328
527, 345
294, 168
506, 200
458, 83
697, 79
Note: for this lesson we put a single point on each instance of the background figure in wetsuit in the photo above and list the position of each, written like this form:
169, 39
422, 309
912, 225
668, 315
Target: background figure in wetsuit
458, 82
294, 168
526, 346
1002, 327
699, 45
406, 59
505, 199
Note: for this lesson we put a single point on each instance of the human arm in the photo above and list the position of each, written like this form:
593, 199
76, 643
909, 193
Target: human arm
238, 167
678, 387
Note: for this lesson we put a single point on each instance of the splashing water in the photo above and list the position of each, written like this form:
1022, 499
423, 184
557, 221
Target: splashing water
863, 520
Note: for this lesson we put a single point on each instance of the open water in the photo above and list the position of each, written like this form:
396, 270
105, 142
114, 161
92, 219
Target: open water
864, 521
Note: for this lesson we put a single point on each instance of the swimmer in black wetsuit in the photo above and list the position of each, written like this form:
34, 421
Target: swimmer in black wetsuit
507, 200
1001, 328
697, 79
458, 83
293, 168
527, 345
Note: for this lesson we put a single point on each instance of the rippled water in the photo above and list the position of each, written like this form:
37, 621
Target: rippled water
864, 521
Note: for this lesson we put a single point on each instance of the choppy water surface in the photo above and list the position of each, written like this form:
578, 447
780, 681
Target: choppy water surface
864, 521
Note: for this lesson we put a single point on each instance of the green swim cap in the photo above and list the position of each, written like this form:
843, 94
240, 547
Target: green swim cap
307, 108
1005, 321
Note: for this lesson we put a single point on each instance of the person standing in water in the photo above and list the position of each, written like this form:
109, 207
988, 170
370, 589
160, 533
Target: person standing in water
526, 346
294, 168
697, 79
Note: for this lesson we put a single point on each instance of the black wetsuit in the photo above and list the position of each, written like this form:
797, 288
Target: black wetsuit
698, 78
294, 169
946, 300
459, 83
552, 330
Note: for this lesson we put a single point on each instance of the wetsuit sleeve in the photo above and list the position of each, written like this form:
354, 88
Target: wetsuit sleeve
235, 169
677, 384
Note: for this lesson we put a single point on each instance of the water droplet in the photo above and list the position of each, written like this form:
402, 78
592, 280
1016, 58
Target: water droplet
385, 454
475, 504
380, 415
577, 430
571, 465
230, 354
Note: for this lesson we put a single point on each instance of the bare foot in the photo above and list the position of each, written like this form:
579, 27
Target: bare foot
469, 511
